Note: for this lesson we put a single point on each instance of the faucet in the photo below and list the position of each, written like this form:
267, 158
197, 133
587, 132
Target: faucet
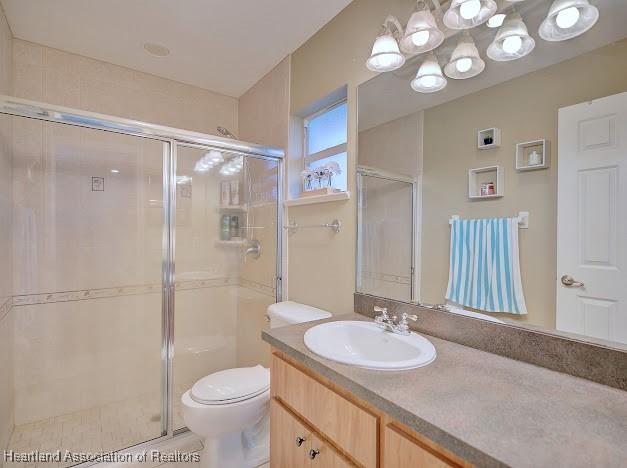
391, 324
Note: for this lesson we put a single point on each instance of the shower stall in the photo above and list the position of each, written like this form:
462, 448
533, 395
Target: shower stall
143, 259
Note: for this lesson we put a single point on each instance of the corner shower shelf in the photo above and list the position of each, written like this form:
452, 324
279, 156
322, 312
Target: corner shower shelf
243, 208
230, 243
331, 197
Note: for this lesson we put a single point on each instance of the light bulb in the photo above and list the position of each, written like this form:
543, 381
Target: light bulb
512, 44
420, 38
469, 9
428, 81
568, 17
463, 64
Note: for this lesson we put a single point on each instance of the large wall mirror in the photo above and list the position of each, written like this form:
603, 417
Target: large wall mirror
503, 195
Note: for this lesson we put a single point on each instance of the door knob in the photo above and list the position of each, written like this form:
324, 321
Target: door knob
313, 453
299, 441
569, 281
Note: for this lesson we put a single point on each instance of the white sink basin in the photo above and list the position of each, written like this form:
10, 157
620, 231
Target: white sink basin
364, 344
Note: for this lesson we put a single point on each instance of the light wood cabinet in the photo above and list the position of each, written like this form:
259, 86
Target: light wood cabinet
339, 430
293, 445
403, 450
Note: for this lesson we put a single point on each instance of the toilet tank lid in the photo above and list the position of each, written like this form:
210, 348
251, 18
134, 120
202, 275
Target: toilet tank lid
231, 385
293, 312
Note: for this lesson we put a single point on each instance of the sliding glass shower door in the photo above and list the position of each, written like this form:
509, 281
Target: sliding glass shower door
385, 235
88, 230
144, 258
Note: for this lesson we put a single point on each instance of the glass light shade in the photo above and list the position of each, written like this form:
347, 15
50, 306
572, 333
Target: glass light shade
512, 40
464, 14
563, 22
421, 34
429, 78
465, 61
385, 55
496, 21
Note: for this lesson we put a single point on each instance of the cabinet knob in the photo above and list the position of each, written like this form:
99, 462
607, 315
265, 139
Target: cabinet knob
299, 441
313, 453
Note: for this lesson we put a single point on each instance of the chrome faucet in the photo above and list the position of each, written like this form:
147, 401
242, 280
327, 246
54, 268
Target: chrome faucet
390, 323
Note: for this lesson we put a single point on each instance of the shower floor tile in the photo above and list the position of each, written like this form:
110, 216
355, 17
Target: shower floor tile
106, 428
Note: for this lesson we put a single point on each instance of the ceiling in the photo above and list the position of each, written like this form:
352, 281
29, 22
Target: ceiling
388, 96
220, 45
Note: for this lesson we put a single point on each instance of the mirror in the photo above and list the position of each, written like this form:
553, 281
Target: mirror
503, 195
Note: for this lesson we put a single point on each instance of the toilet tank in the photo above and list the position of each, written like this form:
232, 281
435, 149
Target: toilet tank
289, 313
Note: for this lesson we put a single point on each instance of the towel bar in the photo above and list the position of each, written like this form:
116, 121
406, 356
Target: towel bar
523, 219
293, 227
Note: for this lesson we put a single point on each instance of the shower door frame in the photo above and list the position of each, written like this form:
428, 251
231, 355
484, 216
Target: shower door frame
367, 171
171, 138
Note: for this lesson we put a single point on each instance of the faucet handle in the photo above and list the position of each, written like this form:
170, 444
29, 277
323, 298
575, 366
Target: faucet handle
404, 324
382, 310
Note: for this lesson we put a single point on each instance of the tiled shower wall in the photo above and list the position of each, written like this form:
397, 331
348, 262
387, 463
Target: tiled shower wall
6, 204
87, 320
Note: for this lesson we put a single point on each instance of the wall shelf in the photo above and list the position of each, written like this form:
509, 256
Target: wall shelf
483, 175
331, 197
489, 133
230, 243
524, 150
233, 208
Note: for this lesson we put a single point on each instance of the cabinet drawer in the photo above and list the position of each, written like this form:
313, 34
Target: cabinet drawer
402, 450
351, 428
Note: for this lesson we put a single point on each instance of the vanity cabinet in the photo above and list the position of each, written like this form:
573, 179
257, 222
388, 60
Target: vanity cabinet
316, 423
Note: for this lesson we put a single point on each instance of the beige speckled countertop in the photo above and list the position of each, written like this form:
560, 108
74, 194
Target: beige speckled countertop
488, 409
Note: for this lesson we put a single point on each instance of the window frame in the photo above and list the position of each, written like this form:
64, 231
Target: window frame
327, 152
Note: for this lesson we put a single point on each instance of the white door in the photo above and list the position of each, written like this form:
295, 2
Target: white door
592, 219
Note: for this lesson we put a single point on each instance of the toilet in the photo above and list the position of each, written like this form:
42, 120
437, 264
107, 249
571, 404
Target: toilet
229, 408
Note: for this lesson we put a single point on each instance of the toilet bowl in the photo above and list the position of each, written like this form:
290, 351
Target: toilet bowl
229, 408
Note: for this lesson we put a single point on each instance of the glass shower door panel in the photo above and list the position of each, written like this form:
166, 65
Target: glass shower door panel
88, 225
385, 238
221, 291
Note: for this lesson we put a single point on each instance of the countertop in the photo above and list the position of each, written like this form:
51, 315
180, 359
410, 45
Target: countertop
487, 409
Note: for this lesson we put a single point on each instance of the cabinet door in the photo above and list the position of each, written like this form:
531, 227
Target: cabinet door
402, 451
290, 441
325, 456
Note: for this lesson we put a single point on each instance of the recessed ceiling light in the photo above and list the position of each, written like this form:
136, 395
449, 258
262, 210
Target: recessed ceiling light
156, 49
115, 171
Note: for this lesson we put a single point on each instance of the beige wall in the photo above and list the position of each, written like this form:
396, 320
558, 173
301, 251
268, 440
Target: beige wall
6, 274
525, 109
263, 118
321, 264
57, 77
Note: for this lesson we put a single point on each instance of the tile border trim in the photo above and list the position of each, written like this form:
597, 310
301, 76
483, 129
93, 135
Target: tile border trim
595, 362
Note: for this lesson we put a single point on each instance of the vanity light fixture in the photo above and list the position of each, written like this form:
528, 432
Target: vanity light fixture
512, 40
422, 33
465, 61
466, 14
567, 19
496, 21
386, 55
429, 78
214, 156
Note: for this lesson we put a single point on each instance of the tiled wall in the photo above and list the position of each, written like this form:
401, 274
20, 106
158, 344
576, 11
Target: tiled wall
88, 263
6, 203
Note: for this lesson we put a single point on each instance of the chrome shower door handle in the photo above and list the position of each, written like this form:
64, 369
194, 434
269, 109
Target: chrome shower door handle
569, 281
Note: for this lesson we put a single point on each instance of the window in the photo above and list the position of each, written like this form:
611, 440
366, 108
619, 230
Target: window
325, 141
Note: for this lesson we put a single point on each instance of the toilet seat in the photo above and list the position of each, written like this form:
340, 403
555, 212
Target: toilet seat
231, 386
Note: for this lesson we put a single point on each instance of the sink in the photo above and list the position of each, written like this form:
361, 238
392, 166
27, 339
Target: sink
365, 344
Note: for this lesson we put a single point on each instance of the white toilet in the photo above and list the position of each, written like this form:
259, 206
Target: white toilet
229, 409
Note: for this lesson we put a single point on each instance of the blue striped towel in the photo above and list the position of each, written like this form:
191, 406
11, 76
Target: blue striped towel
484, 270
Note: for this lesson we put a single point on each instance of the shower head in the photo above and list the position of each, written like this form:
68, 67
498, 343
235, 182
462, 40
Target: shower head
226, 133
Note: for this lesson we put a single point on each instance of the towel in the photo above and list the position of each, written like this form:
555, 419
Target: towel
484, 269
